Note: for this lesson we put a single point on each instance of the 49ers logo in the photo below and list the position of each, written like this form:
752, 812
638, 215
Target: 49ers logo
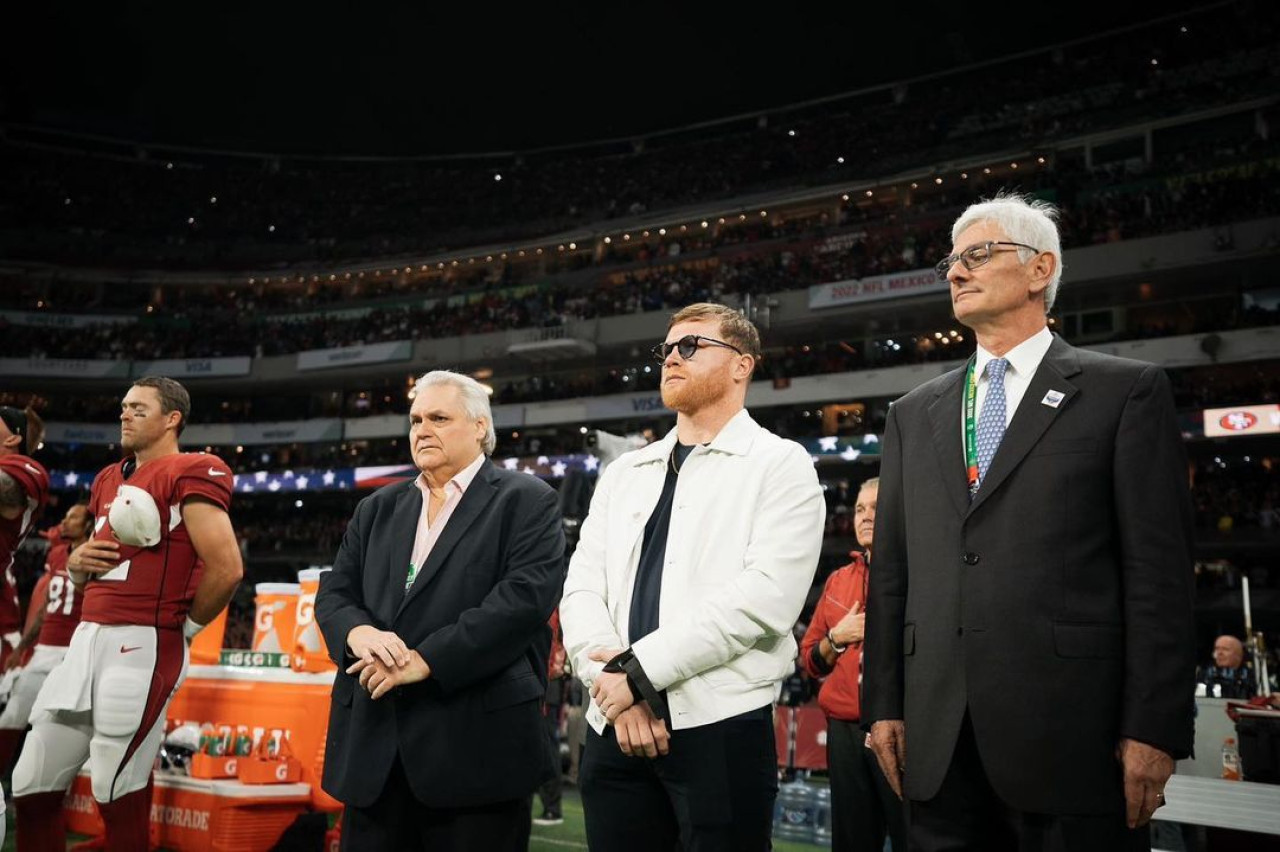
1238, 421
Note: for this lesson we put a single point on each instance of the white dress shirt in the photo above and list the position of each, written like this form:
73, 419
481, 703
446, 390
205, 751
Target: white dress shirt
1024, 359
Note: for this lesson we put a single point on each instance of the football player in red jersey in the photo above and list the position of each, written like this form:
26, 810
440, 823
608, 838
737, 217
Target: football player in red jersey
157, 515
56, 612
24, 490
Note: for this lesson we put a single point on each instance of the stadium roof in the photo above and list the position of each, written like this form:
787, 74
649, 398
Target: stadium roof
386, 80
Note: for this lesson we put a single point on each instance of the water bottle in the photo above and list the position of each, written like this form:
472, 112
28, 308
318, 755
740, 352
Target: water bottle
794, 813
822, 817
1230, 760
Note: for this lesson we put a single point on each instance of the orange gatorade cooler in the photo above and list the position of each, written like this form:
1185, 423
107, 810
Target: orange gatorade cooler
276, 604
309, 651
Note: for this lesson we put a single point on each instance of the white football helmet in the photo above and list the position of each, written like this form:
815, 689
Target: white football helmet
134, 517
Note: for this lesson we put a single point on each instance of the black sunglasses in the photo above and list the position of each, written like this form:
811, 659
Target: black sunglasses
688, 345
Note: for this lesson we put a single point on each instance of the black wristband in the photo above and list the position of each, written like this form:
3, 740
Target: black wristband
820, 662
642, 688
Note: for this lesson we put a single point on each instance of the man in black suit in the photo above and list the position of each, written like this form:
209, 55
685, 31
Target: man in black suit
436, 613
1029, 631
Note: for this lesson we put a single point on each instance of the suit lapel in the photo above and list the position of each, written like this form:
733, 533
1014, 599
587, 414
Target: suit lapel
474, 500
1032, 419
404, 524
944, 414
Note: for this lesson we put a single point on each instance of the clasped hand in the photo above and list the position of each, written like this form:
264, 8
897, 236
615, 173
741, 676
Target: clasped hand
383, 662
610, 690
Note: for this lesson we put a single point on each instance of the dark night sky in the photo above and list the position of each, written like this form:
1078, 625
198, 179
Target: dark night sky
373, 78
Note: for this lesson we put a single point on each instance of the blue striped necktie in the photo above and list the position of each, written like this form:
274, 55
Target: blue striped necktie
991, 421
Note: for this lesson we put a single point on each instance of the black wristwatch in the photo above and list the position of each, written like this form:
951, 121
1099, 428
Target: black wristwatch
641, 687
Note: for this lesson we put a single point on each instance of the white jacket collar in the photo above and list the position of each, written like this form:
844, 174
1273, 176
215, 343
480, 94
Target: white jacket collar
735, 438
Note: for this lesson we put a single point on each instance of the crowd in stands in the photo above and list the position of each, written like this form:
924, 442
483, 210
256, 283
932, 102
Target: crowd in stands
1137, 210
1236, 491
146, 207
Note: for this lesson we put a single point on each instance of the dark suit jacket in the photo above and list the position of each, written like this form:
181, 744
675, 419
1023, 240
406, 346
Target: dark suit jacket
1057, 605
477, 613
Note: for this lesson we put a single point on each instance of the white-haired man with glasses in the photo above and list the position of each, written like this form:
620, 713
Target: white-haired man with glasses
692, 567
1029, 653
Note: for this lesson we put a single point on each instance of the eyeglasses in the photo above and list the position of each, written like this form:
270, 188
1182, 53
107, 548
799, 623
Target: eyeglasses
975, 256
688, 345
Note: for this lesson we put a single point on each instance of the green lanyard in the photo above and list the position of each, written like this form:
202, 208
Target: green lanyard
971, 427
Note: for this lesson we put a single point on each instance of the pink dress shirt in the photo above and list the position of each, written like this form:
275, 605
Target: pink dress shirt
429, 533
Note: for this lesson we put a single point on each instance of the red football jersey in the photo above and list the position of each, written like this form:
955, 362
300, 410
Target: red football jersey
34, 479
62, 610
153, 585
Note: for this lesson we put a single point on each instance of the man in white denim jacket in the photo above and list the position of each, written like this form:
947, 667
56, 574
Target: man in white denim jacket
692, 567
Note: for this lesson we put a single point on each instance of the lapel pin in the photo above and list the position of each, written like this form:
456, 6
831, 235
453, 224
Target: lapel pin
1053, 398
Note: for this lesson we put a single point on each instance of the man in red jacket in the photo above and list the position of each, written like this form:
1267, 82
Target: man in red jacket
863, 806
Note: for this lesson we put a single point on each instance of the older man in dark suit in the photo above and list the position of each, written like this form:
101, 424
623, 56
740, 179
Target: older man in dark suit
436, 612
1029, 652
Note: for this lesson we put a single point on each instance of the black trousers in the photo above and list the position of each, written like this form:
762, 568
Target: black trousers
864, 808
966, 814
552, 789
714, 791
398, 822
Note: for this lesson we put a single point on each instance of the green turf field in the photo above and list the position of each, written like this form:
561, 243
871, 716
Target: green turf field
557, 838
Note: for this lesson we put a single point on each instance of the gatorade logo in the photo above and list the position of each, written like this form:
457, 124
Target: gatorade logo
282, 771
1238, 421
180, 817
266, 619
80, 804
306, 609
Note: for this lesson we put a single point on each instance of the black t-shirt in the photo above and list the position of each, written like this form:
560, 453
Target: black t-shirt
647, 591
